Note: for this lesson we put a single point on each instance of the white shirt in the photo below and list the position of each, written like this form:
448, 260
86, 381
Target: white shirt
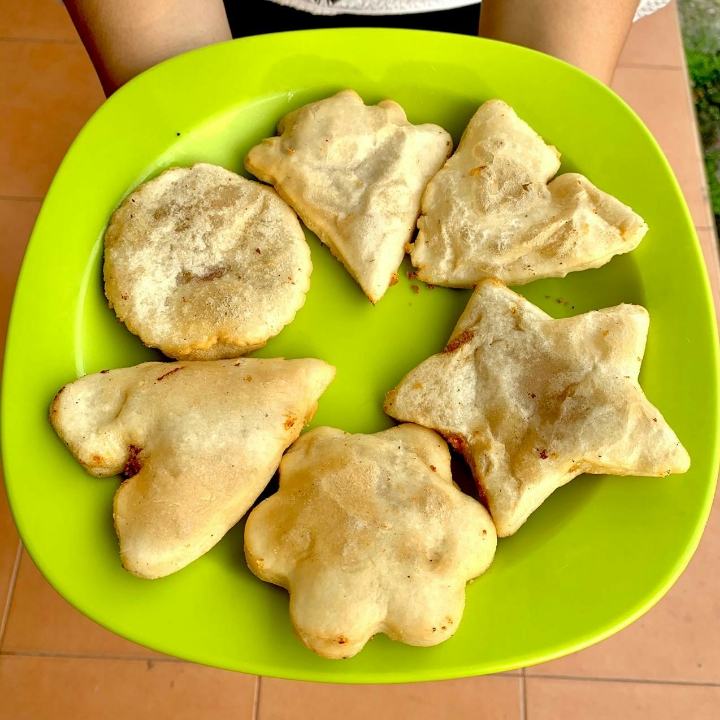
404, 7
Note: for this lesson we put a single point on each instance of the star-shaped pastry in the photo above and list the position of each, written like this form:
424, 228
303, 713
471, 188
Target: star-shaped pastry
197, 443
493, 212
532, 402
355, 174
369, 534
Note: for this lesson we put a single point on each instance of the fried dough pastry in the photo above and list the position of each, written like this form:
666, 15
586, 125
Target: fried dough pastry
532, 402
490, 211
197, 441
369, 534
204, 264
355, 175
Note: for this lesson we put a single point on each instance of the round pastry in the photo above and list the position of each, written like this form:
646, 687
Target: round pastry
204, 264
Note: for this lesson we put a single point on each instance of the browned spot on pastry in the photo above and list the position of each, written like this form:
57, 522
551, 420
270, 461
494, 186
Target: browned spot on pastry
248, 378
464, 337
408, 248
162, 377
102, 372
433, 468
342, 640
411, 274
457, 442
543, 454
477, 170
133, 464
186, 276
394, 279
289, 422
417, 386
98, 459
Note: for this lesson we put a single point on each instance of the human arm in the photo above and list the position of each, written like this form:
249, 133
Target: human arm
589, 34
125, 37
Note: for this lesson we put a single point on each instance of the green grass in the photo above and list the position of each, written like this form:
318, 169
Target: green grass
701, 37
704, 69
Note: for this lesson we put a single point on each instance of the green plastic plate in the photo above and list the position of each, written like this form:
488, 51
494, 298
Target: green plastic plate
594, 557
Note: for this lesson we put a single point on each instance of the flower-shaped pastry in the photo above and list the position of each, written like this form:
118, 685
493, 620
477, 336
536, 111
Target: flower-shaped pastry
369, 534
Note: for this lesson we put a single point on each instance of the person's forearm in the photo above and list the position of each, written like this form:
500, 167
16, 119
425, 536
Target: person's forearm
590, 34
125, 37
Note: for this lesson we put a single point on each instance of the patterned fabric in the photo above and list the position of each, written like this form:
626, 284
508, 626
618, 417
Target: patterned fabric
403, 7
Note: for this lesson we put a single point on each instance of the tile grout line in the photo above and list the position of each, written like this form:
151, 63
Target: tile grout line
256, 698
22, 198
523, 696
648, 66
632, 681
81, 656
11, 590
39, 40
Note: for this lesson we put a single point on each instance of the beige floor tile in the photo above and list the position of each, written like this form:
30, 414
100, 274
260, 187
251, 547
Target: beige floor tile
72, 689
484, 698
36, 19
41, 622
49, 91
586, 700
675, 641
661, 98
655, 40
